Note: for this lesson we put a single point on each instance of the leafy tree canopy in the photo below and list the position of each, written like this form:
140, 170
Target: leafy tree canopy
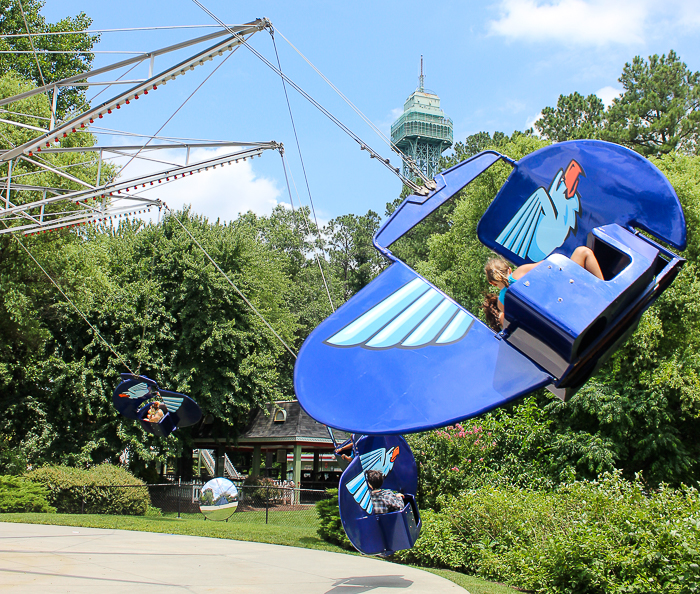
351, 252
574, 117
659, 109
45, 68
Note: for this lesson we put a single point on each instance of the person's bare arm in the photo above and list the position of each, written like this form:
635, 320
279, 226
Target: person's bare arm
521, 271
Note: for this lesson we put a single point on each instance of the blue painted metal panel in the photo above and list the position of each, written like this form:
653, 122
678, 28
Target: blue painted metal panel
557, 195
373, 368
136, 392
372, 533
415, 208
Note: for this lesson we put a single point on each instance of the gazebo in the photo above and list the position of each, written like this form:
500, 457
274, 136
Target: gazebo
283, 432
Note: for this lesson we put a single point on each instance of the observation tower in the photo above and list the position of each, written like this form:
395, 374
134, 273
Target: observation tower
423, 132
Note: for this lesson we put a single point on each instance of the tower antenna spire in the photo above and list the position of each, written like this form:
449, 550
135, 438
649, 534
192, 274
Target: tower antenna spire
421, 78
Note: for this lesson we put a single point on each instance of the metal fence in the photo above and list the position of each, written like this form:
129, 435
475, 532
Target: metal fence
263, 504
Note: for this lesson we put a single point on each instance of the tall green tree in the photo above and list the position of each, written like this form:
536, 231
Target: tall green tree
574, 117
163, 310
352, 256
659, 109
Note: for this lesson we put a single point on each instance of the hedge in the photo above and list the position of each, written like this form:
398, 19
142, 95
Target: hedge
102, 489
608, 536
19, 495
330, 527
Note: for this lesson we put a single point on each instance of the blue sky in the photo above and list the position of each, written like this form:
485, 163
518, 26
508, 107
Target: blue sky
494, 64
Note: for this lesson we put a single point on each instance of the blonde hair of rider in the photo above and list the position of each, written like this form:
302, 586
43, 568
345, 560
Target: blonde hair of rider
496, 270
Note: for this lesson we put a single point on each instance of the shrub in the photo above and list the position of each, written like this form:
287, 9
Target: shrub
607, 536
19, 495
438, 545
266, 489
330, 527
103, 489
501, 448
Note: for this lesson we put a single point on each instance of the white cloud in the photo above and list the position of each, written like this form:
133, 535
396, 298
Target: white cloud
391, 117
607, 94
572, 22
530, 123
219, 193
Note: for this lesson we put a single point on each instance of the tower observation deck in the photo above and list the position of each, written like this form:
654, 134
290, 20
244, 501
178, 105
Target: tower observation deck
423, 132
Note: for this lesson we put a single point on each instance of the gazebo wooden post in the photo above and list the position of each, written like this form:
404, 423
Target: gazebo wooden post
317, 459
297, 471
255, 469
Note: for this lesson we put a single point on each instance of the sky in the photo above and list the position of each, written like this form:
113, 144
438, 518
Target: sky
494, 64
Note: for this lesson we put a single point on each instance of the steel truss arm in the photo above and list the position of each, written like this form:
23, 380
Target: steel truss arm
85, 119
245, 29
97, 204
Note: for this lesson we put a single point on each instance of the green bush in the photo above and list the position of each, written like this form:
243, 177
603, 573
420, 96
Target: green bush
103, 489
267, 489
607, 536
505, 447
330, 527
18, 495
439, 544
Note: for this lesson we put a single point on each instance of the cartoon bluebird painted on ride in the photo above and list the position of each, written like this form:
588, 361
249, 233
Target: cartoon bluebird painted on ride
543, 223
380, 459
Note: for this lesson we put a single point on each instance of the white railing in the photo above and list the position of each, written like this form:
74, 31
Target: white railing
209, 462
206, 457
230, 469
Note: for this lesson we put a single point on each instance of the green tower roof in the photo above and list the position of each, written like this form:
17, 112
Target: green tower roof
423, 131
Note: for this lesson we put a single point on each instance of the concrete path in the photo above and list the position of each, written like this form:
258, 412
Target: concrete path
58, 559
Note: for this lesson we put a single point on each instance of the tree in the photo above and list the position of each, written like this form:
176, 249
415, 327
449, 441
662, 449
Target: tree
350, 250
659, 110
574, 117
473, 144
51, 67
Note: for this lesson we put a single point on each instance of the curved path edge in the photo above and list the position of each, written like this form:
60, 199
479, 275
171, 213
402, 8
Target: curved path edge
40, 558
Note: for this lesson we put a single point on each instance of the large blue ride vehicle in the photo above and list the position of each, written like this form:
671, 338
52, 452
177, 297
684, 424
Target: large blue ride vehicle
401, 356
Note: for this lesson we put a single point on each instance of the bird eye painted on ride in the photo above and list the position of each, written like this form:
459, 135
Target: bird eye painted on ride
545, 220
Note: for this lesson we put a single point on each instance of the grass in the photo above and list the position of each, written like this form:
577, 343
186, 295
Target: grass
248, 527
190, 525
473, 584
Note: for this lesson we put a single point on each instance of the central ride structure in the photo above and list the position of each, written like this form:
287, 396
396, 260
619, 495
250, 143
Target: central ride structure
401, 356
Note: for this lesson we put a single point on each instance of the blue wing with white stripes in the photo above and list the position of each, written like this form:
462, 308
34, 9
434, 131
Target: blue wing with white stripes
518, 234
414, 316
401, 356
359, 489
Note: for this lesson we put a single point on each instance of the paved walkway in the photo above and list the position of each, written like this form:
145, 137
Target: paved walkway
55, 559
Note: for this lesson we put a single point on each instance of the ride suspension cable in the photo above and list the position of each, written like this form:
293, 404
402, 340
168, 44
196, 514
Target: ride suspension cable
294, 212
303, 168
409, 162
